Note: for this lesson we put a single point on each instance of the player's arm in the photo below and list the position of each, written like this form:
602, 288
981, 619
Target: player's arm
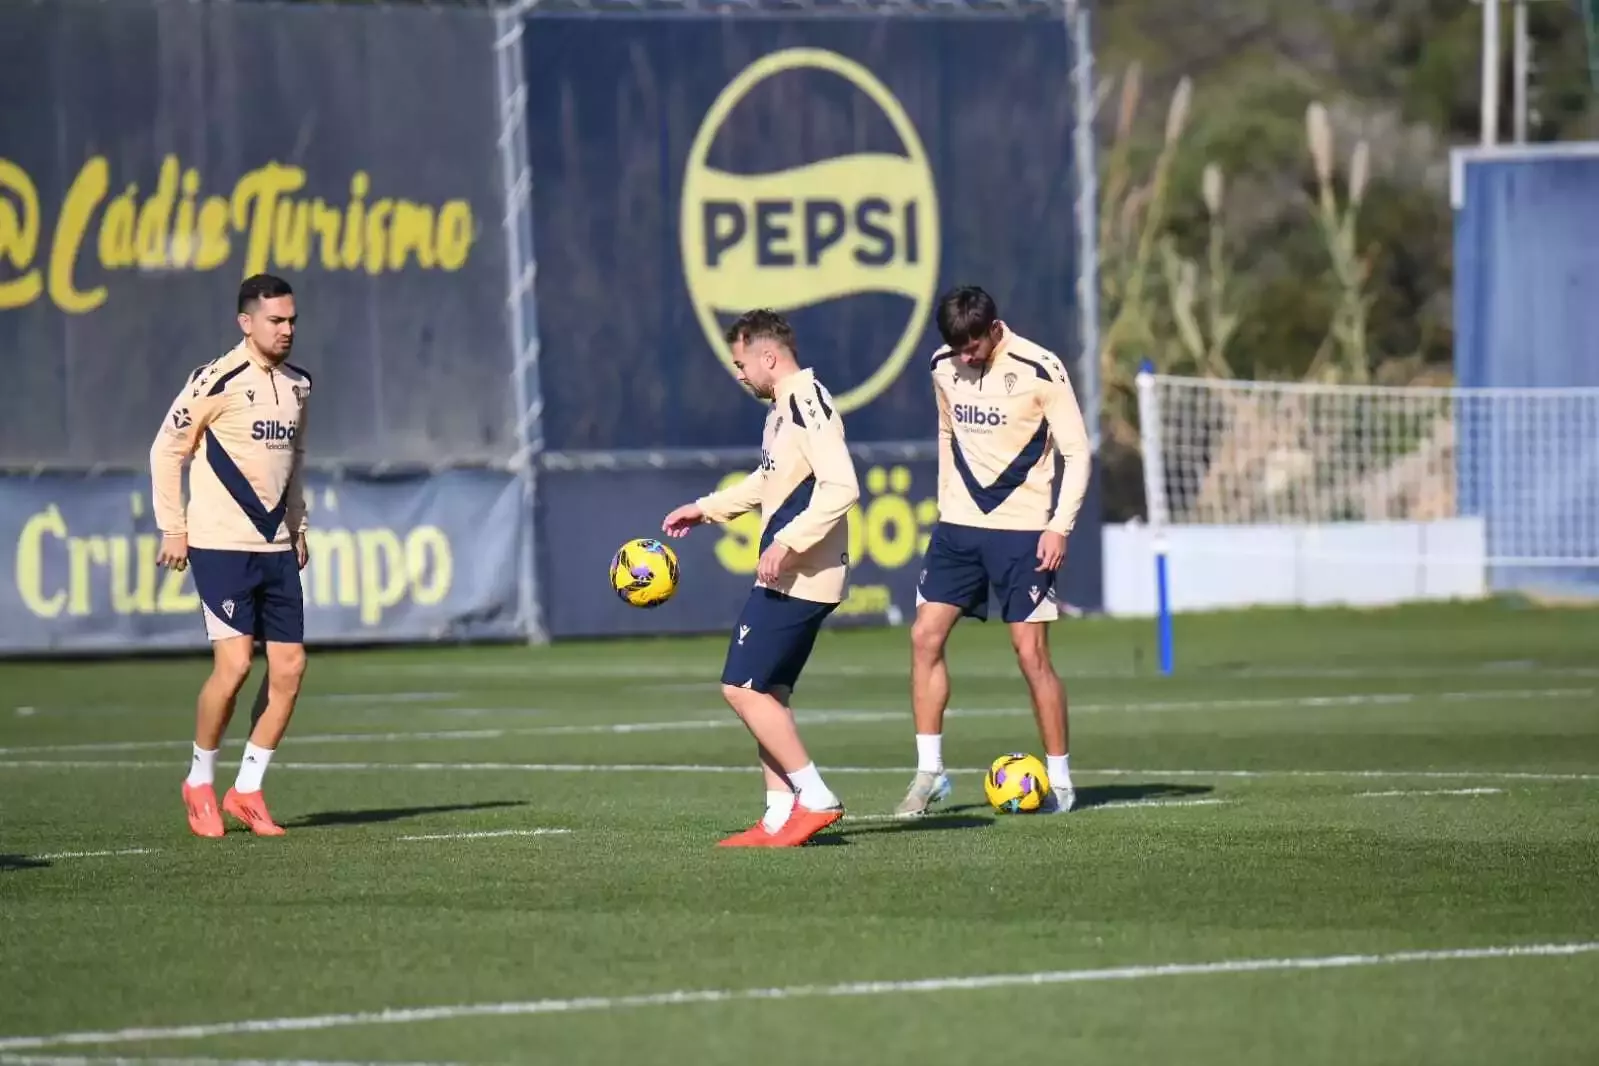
1066, 426
727, 504
295, 514
174, 445
836, 489
721, 506
946, 436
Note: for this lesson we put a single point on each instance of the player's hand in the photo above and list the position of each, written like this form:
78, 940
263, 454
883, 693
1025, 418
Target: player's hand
1051, 550
771, 564
174, 552
680, 521
302, 552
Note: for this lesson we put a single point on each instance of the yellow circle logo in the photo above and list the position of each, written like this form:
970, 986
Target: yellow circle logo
863, 223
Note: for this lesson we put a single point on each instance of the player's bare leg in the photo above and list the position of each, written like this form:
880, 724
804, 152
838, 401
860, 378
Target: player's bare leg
779, 789
285, 670
1031, 641
784, 759
230, 667
929, 698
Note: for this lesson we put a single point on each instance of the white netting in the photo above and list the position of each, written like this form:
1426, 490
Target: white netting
1524, 461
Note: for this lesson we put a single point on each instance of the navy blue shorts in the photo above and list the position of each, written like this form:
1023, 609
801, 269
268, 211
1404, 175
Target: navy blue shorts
249, 594
772, 640
963, 562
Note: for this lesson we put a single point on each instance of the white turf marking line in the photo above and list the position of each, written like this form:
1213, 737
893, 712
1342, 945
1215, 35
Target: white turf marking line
99, 1060
1138, 804
834, 717
698, 668
689, 768
684, 997
1129, 805
95, 854
384, 697
1434, 792
485, 834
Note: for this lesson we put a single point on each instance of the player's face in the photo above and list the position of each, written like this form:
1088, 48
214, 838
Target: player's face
754, 365
979, 351
270, 327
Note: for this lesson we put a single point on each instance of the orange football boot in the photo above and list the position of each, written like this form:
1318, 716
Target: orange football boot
803, 824
204, 818
251, 809
756, 836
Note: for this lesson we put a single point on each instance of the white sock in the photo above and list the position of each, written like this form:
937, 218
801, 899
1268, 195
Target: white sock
779, 805
813, 791
203, 767
252, 768
1059, 769
929, 753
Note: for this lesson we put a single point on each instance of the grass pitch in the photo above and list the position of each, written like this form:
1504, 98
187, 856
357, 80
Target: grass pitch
1334, 837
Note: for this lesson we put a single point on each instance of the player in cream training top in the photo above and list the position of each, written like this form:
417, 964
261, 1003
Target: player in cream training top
241, 419
1008, 428
804, 489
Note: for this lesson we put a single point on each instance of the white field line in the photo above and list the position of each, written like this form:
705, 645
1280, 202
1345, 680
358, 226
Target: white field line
1138, 804
95, 854
1433, 792
685, 997
383, 697
118, 1060
487, 833
695, 768
701, 667
845, 716
1128, 805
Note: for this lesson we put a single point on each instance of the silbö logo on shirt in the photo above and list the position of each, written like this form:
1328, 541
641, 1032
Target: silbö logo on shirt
276, 434
971, 414
851, 225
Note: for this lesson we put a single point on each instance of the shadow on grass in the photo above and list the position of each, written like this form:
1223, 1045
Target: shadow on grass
390, 814
21, 862
1107, 795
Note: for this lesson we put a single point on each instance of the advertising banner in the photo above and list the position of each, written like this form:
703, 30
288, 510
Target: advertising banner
155, 153
409, 558
841, 170
585, 515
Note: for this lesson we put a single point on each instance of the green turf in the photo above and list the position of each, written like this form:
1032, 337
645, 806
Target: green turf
1273, 756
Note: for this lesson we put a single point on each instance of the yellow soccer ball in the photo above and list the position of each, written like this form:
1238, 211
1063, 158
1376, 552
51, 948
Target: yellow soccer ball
644, 573
1016, 783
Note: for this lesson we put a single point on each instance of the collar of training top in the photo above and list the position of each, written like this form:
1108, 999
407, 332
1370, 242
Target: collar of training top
794, 381
1003, 346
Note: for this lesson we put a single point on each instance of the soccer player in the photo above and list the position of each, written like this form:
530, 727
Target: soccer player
1007, 419
242, 535
804, 489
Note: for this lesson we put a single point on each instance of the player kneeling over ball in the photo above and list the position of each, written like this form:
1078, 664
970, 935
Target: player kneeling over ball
804, 489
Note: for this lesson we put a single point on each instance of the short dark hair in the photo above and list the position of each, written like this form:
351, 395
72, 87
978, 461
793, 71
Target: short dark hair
965, 314
761, 324
258, 287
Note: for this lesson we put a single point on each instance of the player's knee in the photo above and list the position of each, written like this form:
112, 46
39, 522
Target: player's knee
230, 663
1032, 655
927, 640
286, 666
